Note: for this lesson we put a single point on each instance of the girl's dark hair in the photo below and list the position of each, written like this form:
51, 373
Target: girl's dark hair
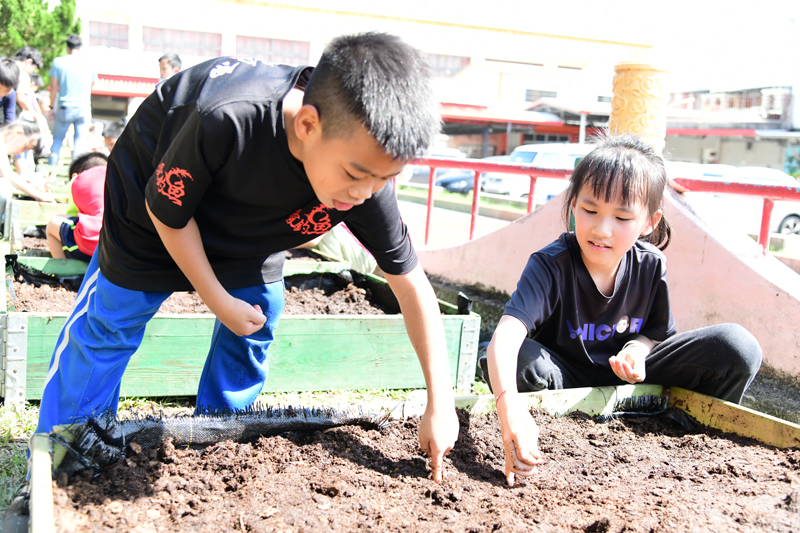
626, 162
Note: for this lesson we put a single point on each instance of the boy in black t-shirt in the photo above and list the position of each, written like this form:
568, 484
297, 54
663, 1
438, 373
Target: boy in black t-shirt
225, 166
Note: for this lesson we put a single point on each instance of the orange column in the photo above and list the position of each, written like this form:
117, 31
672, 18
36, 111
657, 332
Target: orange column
639, 104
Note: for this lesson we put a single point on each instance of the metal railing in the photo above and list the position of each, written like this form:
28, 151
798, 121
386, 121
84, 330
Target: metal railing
770, 194
479, 167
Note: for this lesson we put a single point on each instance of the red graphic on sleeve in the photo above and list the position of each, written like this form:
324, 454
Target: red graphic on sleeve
171, 184
316, 222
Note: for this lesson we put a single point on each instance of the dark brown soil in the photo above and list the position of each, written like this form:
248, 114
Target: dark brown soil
642, 474
311, 301
351, 300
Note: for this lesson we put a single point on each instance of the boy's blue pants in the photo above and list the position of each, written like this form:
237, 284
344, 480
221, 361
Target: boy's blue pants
106, 326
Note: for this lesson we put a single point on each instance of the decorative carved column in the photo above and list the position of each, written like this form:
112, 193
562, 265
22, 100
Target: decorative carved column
639, 104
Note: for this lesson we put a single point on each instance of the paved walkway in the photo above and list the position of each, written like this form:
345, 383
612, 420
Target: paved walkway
448, 228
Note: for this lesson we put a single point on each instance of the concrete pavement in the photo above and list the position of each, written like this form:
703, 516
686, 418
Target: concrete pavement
448, 228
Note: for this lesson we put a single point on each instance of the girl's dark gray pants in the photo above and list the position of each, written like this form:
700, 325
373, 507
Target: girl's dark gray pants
719, 361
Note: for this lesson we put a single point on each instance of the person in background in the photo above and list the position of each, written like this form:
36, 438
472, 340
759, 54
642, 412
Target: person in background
37, 82
44, 101
16, 137
168, 66
71, 81
29, 60
9, 78
75, 237
592, 308
111, 133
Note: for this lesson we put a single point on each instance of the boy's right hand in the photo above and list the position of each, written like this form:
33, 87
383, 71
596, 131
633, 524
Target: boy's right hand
240, 317
520, 438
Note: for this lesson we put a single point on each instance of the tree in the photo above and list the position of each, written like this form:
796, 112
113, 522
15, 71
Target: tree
32, 23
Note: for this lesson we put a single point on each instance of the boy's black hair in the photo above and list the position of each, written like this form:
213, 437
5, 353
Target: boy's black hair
114, 130
87, 160
628, 163
382, 83
9, 72
29, 52
74, 41
173, 59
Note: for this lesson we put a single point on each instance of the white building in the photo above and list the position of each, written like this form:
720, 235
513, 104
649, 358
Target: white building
490, 66
508, 73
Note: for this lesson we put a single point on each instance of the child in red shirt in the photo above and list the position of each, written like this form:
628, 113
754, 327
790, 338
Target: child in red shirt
75, 237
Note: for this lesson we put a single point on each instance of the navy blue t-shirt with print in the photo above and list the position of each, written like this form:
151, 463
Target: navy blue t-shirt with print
210, 144
558, 301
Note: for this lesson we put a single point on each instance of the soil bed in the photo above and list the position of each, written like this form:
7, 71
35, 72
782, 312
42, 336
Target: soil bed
334, 298
630, 474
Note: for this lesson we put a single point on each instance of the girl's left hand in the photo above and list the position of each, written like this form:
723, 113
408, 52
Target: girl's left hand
629, 363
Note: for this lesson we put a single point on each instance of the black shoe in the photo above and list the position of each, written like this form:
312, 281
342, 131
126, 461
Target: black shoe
483, 363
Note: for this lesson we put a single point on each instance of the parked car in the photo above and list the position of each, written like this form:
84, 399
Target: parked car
739, 212
420, 173
557, 156
462, 181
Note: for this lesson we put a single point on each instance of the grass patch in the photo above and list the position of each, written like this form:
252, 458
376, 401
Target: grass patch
17, 427
480, 388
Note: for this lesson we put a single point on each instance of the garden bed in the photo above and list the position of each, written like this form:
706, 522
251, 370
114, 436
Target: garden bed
341, 330
629, 474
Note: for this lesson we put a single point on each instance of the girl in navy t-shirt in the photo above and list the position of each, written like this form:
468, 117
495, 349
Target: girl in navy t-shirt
592, 308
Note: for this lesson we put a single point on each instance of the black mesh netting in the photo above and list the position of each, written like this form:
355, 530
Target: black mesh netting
38, 278
102, 440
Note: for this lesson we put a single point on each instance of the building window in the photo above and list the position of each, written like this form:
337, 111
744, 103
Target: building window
531, 95
273, 50
107, 34
529, 138
605, 99
447, 66
182, 42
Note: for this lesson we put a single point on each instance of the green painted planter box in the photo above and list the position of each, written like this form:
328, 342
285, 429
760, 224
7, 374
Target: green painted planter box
317, 352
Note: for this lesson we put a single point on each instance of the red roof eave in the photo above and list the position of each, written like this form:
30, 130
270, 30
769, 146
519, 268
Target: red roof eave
712, 132
474, 114
123, 86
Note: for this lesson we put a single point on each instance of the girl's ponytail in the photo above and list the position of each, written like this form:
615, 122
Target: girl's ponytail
661, 234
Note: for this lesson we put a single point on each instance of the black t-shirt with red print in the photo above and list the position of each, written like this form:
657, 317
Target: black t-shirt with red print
209, 143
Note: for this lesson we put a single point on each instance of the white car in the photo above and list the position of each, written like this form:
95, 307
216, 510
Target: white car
736, 211
557, 156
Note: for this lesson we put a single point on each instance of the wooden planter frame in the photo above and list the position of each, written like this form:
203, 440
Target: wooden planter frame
310, 352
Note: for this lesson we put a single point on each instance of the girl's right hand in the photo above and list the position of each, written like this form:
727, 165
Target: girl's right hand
520, 438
